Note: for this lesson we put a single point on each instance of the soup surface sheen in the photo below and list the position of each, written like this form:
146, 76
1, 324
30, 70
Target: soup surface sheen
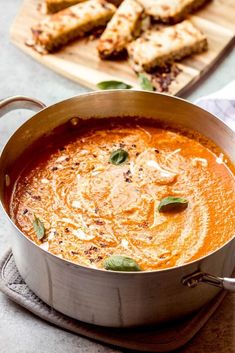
92, 209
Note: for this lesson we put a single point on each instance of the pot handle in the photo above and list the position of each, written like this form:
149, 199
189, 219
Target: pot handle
196, 278
20, 102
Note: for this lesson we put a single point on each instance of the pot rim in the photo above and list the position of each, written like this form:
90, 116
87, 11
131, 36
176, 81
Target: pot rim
83, 267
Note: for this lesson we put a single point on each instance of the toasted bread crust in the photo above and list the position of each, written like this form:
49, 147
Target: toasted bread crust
53, 6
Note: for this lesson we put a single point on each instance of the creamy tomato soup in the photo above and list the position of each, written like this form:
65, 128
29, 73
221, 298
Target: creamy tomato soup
98, 192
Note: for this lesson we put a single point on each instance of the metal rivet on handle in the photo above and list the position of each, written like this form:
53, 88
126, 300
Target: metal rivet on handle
7, 180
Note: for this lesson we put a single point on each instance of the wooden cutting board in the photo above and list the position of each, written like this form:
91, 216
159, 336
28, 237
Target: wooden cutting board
79, 61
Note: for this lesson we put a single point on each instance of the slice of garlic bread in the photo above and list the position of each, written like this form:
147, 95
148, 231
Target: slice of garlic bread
121, 29
171, 11
53, 6
159, 46
60, 28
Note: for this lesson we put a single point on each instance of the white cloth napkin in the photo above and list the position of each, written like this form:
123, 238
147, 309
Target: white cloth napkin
221, 103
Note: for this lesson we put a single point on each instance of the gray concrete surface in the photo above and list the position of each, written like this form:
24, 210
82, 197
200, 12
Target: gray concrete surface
21, 332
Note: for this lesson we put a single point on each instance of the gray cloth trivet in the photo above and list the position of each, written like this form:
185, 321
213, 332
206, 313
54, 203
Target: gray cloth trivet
151, 339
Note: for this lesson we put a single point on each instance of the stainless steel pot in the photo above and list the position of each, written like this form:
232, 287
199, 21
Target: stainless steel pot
107, 298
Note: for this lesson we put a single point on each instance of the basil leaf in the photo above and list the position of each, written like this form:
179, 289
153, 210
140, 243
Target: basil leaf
38, 227
172, 203
145, 83
121, 263
119, 156
113, 85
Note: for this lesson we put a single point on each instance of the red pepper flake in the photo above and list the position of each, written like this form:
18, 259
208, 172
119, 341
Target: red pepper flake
99, 258
36, 197
128, 176
99, 222
143, 224
103, 245
91, 250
